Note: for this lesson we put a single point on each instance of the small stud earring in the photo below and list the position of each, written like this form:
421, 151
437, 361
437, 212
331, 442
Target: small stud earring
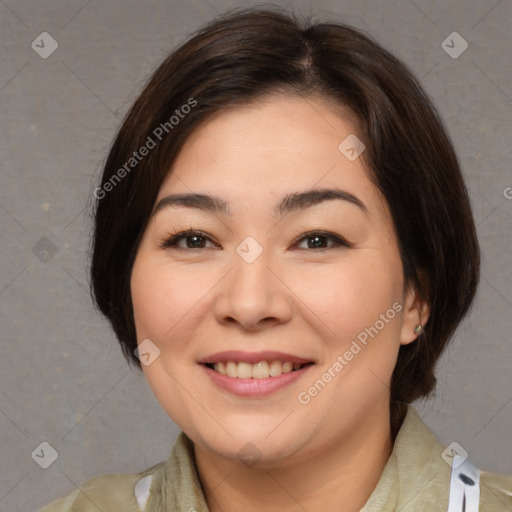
418, 329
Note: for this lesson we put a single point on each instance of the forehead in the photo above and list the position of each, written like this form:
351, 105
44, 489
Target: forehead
268, 149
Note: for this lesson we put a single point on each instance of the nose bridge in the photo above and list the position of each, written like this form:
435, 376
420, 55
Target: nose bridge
251, 277
252, 292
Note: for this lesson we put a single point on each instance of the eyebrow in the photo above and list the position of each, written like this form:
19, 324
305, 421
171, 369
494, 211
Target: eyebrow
291, 202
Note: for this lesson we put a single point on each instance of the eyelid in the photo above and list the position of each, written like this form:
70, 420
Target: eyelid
171, 239
339, 240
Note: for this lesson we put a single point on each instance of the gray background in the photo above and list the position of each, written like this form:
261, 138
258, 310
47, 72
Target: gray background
63, 379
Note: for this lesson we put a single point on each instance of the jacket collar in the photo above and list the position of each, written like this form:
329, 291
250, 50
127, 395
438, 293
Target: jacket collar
415, 478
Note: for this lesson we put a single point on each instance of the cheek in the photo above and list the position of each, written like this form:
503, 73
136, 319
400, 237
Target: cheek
163, 304
349, 297
161, 297
357, 309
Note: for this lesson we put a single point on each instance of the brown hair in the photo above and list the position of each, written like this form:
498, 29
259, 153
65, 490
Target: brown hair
247, 54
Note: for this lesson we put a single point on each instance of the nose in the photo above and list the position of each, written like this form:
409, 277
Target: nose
253, 295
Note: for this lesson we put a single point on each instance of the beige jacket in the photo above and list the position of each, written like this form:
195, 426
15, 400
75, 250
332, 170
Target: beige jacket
420, 476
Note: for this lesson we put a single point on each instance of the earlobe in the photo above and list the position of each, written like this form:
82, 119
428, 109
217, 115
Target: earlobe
418, 329
415, 315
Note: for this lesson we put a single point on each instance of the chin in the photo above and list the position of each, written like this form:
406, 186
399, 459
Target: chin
269, 446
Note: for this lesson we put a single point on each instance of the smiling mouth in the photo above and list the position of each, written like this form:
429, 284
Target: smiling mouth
260, 370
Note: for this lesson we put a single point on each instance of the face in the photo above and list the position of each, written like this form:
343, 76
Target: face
270, 281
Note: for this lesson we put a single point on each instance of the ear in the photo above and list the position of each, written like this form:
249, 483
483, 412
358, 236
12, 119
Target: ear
415, 312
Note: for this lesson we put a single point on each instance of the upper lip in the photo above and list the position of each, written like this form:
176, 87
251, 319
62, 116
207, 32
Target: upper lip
252, 357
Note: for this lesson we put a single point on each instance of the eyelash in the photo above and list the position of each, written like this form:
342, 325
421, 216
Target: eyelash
171, 240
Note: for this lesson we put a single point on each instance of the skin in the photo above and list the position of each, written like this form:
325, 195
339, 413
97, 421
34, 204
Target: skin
294, 298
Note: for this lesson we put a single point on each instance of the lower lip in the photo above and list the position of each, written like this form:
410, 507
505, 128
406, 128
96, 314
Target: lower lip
254, 387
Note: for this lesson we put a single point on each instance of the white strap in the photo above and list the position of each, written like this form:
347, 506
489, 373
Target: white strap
141, 490
464, 486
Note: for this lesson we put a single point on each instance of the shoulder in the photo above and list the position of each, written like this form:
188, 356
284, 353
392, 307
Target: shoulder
495, 492
453, 482
108, 493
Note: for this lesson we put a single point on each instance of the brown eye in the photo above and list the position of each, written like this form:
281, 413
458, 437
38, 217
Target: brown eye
194, 241
317, 241
187, 240
320, 240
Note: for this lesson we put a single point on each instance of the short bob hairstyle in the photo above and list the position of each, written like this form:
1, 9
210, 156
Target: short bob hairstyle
246, 55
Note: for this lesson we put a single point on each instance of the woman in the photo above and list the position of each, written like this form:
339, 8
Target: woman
284, 240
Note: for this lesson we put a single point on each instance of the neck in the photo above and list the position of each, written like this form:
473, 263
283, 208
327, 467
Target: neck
341, 477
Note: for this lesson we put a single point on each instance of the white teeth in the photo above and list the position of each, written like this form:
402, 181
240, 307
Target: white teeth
244, 370
287, 367
231, 369
261, 370
276, 368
